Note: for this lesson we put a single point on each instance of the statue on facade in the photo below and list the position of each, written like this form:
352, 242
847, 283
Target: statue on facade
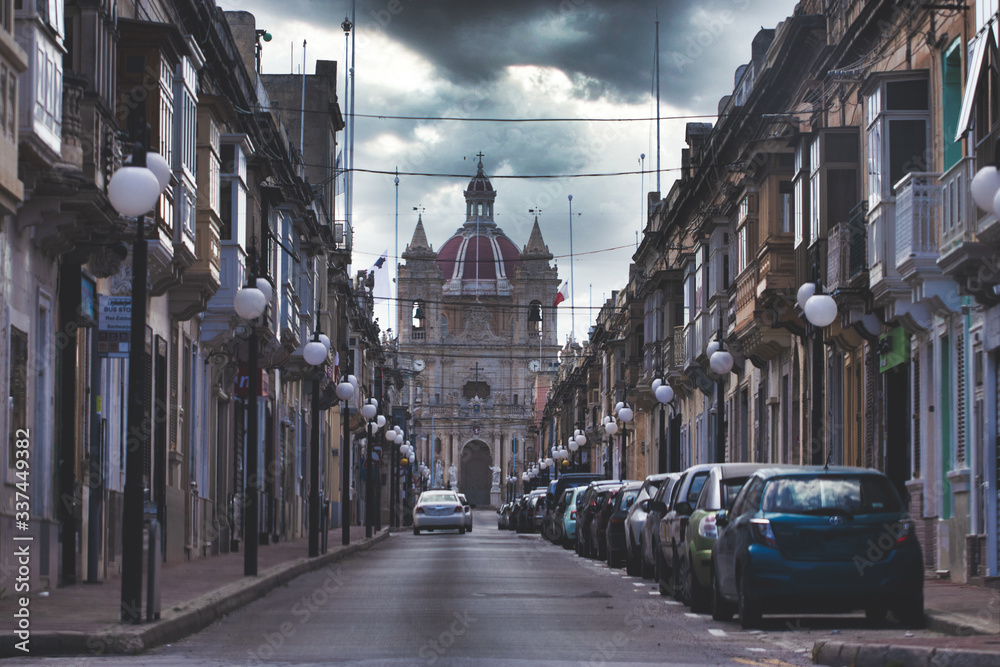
453, 476
496, 477
438, 474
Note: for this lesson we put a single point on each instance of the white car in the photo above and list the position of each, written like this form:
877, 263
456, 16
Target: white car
468, 512
438, 509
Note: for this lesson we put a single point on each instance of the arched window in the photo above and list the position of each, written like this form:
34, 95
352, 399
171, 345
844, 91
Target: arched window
419, 321
535, 316
444, 326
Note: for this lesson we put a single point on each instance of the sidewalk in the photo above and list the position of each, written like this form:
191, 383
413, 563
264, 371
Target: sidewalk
84, 618
970, 615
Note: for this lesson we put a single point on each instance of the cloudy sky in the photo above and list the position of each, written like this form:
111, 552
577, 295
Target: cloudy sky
521, 59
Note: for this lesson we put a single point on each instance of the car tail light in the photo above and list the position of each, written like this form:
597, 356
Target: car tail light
708, 529
905, 531
572, 514
419, 510
458, 510
618, 521
761, 533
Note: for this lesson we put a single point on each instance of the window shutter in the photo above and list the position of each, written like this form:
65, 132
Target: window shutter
960, 408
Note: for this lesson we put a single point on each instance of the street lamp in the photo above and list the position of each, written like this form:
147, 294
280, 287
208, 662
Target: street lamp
345, 392
250, 303
720, 360
664, 394
134, 190
315, 353
820, 310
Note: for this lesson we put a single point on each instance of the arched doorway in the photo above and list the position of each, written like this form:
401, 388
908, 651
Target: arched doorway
475, 473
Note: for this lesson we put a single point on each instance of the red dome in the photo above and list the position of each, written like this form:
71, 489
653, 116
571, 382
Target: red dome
497, 256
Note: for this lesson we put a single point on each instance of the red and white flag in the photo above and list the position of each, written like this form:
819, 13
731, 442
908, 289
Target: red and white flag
562, 294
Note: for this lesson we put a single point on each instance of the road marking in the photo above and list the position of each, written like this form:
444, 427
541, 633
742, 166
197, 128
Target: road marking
638, 585
716, 632
757, 650
690, 615
671, 602
654, 592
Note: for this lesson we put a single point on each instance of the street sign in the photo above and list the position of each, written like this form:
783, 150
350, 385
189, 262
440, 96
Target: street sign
114, 322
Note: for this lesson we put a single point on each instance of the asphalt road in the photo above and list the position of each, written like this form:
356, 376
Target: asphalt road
449, 599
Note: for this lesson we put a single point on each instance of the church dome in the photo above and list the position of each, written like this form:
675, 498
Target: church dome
487, 255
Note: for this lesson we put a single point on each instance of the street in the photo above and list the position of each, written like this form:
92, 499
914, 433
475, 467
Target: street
449, 599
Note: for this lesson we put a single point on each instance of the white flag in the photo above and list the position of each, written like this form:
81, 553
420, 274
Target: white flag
380, 270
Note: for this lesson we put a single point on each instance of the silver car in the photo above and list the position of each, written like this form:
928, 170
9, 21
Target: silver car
468, 512
437, 510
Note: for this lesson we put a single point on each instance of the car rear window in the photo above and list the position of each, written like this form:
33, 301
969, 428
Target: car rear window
696, 485
439, 497
868, 494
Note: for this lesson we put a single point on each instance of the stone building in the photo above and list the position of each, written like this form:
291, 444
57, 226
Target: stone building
477, 323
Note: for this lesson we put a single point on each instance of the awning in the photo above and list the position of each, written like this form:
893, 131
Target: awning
985, 43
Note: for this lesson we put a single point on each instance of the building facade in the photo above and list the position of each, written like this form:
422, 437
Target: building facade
476, 326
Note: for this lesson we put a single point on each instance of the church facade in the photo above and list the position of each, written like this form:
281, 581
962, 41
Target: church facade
476, 325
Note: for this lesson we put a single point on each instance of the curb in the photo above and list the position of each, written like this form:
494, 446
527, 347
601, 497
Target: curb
849, 654
845, 654
182, 620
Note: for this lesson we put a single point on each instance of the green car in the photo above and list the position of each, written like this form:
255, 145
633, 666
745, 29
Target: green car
723, 484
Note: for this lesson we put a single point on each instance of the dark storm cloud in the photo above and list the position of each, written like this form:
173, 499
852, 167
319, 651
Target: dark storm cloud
606, 48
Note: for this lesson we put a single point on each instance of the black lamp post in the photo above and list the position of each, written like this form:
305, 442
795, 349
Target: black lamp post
134, 190
250, 303
664, 394
721, 362
820, 310
315, 353
345, 392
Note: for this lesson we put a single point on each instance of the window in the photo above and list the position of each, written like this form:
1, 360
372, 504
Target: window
444, 326
897, 111
951, 102
18, 392
786, 206
746, 232
800, 185
833, 180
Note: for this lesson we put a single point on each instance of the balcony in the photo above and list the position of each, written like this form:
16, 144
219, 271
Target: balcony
847, 257
964, 257
883, 276
918, 226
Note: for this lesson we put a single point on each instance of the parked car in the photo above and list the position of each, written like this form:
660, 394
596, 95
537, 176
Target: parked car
551, 530
674, 523
635, 521
439, 509
620, 503
558, 522
585, 515
817, 539
599, 522
569, 517
695, 569
503, 516
468, 512
522, 515
656, 509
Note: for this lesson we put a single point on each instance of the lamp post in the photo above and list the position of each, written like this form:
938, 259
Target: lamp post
250, 303
345, 392
664, 394
133, 191
578, 440
369, 411
315, 353
720, 360
820, 310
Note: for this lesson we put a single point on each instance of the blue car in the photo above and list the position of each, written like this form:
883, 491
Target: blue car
817, 539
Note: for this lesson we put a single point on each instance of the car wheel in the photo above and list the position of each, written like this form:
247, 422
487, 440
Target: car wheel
416, 531
721, 609
748, 609
910, 610
631, 562
697, 595
461, 531
682, 592
658, 574
875, 614
469, 529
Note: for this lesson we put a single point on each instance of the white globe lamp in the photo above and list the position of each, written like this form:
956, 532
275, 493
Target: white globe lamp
133, 191
249, 303
821, 310
664, 393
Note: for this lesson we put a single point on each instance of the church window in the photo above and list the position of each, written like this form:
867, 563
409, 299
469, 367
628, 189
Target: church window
419, 331
515, 399
473, 389
418, 393
444, 326
535, 316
